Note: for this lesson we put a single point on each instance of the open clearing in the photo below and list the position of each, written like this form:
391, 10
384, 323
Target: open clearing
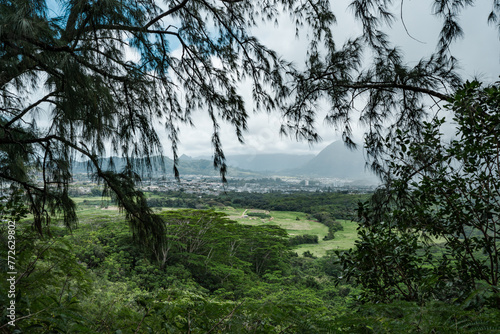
343, 240
296, 223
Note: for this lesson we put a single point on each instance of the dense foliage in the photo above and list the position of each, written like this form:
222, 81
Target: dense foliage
433, 232
219, 277
96, 280
106, 73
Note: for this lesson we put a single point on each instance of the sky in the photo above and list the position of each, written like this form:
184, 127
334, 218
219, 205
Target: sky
478, 53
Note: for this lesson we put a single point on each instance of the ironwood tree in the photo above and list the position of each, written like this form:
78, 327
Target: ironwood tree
433, 230
91, 78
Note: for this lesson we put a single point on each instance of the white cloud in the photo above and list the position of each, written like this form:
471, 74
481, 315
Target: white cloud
478, 54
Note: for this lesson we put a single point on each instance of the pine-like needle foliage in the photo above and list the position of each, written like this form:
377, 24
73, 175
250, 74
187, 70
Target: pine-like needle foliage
95, 78
370, 75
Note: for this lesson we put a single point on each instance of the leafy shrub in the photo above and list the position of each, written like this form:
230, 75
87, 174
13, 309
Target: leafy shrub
303, 239
261, 215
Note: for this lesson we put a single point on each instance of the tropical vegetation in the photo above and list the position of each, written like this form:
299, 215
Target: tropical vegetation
105, 73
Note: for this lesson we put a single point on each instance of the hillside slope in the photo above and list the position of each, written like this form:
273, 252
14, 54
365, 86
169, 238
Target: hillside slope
337, 161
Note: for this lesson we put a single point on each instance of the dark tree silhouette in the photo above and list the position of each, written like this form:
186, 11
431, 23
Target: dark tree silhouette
73, 64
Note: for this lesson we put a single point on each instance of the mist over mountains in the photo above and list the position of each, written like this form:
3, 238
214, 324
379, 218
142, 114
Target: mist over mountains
268, 162
334, 161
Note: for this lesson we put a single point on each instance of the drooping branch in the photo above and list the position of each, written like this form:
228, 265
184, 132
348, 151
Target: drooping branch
386, 85
25, 184
149, 226
28, 109
167, 13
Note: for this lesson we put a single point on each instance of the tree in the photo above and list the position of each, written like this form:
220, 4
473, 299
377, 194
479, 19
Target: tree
434, 229
74, 56
369, 74
104, 72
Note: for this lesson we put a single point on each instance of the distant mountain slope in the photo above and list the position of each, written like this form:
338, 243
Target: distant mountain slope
268, 162
336, 161
186, 166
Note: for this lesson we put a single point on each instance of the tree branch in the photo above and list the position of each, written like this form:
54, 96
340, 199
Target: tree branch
27, 109
26, 185
386, 85
168, 12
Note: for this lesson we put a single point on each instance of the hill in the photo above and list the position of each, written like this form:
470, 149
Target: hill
268, 162
186, 166
336, 161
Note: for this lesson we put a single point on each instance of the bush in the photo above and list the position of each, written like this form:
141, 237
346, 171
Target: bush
303, 239
309, 254
261, 215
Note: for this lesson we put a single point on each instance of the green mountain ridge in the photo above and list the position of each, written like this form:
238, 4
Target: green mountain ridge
186, 166
337, 161
334, 161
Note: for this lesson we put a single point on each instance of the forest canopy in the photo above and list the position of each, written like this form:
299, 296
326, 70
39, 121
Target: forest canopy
71, 61
90, 79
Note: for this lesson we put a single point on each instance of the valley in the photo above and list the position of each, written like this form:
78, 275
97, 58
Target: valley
299, 223
226, 264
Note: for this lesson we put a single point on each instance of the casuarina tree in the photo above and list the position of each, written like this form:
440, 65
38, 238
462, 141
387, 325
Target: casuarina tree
94, 78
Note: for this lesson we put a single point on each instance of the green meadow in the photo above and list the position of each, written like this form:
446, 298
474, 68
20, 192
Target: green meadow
296, 223
94, 209
343, 240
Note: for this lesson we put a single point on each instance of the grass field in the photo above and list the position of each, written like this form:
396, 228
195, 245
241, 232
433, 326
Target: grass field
288, 221
295, 223
343, 240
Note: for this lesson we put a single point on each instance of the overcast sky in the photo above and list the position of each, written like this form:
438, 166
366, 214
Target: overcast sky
478, 52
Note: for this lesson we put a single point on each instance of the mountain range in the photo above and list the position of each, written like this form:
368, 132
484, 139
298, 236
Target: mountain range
334, 161
337, 161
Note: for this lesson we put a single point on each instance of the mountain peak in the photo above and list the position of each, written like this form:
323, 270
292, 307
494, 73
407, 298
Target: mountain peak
338, 161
